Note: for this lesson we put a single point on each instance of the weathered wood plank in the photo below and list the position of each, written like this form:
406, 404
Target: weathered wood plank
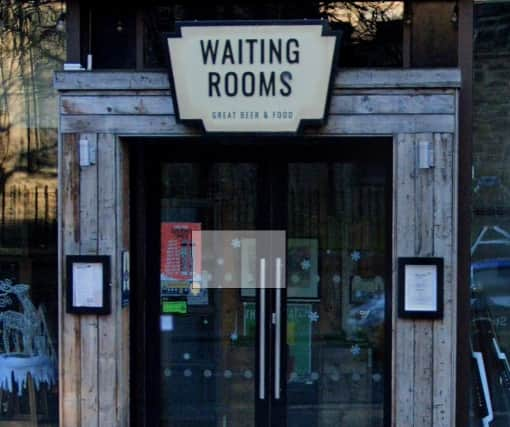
392, 104
340, 104
123, 239
399, 78
117, 105
360, 78
444, 246
88, 202
126, 125
423, 208
336, 92
70, 345
107, 244
388, 124
403, 225
110, 80
88, 327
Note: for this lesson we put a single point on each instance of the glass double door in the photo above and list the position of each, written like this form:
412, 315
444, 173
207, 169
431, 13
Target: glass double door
272, 291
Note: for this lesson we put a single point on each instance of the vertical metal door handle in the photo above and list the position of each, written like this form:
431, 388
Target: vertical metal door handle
278, 328
262, 330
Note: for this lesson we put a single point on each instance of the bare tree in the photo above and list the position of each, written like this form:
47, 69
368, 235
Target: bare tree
30, 47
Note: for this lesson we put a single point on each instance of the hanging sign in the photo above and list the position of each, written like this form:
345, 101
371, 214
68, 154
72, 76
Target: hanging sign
252, 77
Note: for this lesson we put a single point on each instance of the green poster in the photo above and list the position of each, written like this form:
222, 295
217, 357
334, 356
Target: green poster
175, 307
299, 335
299, 339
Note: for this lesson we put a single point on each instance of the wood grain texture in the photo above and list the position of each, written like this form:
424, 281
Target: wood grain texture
404, 224
340, 104
70, 343
445, 238
392, 104
123, 243
424, 350
89, 323
399, 78
117, 105
361, 78
107, 244
410, 105
125, 125
423, 210
387, 124
110, 80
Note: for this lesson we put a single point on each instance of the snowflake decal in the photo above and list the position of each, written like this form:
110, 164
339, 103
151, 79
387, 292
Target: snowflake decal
295, 279
236, 243
337, 279
305, 264
313, 316
356, 256
376, 377
355, 350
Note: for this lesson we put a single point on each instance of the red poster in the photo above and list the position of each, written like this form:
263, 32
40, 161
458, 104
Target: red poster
181, 248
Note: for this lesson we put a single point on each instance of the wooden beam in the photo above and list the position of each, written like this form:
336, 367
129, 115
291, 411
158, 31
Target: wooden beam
340, 104
359, 78
70, 344
89, 322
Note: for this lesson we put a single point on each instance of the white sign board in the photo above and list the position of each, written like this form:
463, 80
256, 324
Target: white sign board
253, 77
421, 287
87, 284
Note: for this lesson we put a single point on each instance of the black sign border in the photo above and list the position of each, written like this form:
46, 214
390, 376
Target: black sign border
105, 308
326, 31
429, 314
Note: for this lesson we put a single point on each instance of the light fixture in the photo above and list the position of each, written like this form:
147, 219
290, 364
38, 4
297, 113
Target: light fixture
408, 16
454, 19
61, 21
120, 26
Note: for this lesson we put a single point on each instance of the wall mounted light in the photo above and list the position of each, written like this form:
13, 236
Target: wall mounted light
454, 19
408, 16
120, 26
61, 21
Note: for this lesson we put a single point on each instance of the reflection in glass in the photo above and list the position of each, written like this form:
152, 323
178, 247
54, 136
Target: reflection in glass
31, 48
372, 30
335, 294
207, 332
324, 344
490, 236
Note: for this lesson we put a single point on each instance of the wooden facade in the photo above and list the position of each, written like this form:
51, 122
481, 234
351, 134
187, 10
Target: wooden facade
111, 109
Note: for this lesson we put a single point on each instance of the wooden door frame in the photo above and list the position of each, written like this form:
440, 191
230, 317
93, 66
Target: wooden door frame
146, 161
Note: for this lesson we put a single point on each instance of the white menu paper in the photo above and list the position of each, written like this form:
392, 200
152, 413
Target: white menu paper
87, 284
420, 288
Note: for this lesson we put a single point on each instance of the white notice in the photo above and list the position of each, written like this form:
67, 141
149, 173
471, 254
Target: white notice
87, 284
420, 288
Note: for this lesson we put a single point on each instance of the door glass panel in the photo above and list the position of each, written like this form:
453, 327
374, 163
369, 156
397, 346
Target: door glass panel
207, 335
336, 294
